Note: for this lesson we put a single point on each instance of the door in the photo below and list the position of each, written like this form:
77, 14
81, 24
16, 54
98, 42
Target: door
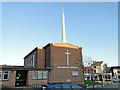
21, 77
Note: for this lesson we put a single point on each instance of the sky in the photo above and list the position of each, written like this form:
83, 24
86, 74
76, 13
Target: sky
90, 25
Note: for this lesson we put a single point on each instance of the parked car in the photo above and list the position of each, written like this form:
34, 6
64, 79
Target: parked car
64, 86
115, 80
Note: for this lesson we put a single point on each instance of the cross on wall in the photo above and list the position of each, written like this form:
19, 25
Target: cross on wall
67, 53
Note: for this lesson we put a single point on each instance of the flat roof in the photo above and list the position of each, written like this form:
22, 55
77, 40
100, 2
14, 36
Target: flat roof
21, 68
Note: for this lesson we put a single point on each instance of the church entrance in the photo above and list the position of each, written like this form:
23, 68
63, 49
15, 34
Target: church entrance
21, 78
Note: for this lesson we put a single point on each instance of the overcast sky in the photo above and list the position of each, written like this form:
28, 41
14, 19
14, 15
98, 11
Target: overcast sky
91, 25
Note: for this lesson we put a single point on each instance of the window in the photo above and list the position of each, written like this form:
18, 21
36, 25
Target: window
0, 75
6, 75
105, 76
55, 88
39, 74
74, 73
66, 87
34, 75
74, 87
118, 77
118, 71
94, 71
44, 74
109, 77
33, 60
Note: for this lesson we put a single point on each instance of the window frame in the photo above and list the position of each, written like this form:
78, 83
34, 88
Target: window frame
34, 78
45, 74
4, 75
75, 73
41, 74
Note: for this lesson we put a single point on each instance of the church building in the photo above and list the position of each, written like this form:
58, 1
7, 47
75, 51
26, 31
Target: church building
61, 63
53, 63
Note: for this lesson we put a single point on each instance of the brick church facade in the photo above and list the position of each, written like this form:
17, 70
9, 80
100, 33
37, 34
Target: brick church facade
53, 63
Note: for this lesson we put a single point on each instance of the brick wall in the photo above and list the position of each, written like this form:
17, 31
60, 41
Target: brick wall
59, 58
11, 80
34, 82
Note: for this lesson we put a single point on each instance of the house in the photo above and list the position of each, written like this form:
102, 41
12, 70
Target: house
100, 71
87, 74
115, 70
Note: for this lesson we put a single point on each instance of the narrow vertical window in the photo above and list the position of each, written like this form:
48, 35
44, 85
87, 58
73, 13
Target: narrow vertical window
33, 60
0, 75
34, 75
39, 74
44, 74
6, 75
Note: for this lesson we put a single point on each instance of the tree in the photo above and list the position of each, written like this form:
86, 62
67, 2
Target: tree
87, 61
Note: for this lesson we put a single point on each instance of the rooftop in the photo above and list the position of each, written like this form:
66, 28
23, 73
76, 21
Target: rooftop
97, 63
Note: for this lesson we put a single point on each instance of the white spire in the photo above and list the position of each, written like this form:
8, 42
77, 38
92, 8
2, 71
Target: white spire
63, 28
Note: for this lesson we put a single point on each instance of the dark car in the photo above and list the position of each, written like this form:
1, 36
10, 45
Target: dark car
64, 86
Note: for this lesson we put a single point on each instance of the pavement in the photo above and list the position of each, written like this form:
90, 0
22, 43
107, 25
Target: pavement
111, 85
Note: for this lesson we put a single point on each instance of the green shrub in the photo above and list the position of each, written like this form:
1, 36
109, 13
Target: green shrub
91, 83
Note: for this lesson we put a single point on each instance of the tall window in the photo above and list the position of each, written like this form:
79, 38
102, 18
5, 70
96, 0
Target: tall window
6, 75
0, 75
44, 74
31, 61
39, 74
34, 74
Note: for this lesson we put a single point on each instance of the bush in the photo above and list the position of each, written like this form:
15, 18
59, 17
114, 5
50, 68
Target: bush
91, 83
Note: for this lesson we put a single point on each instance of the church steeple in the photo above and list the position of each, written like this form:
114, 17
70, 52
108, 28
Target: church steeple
63, 28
